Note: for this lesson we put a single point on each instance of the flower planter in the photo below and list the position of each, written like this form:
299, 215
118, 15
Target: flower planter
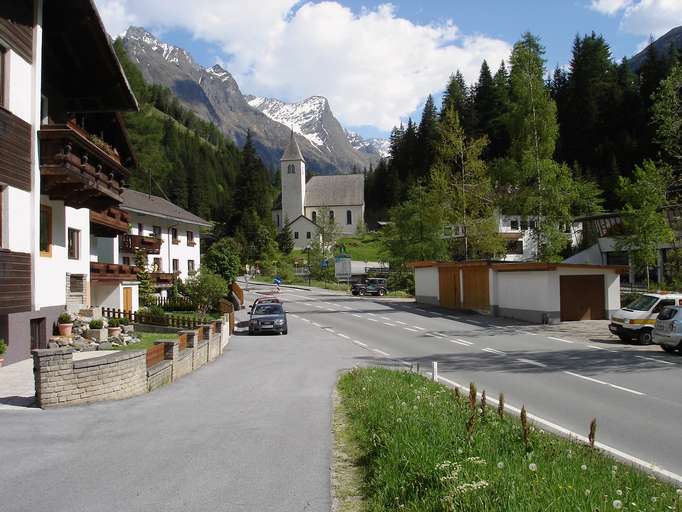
128, 329
98, 335
65, 329
114, 332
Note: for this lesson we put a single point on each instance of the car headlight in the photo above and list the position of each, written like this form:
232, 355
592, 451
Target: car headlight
279, 322
626, 321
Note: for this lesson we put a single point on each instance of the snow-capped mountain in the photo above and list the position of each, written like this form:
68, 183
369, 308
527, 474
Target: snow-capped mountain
381, 147
214, 94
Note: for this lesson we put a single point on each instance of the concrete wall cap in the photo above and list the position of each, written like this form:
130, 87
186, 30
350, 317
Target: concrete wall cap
42, 352
122, 355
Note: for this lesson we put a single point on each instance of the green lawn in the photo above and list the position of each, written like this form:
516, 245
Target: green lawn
363, 248
422, 448
147, 340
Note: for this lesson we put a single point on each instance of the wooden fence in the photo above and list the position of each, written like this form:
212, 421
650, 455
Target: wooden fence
174, 304
155, 354
181, 322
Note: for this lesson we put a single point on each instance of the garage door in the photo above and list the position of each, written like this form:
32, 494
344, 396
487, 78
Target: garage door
476, 288
448, 285
582, 298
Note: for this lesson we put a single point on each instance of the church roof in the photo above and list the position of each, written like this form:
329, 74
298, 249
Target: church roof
337, 190
292, 152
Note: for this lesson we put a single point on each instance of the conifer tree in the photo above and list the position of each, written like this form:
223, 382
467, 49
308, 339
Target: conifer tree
285, 238
426, 138
457, 95
145, 289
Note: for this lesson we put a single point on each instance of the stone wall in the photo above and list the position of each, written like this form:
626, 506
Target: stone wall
62, 381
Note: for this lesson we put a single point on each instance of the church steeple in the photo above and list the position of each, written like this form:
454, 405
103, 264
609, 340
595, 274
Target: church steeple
292, 153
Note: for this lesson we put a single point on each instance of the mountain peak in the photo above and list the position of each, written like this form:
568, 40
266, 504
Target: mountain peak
147, 40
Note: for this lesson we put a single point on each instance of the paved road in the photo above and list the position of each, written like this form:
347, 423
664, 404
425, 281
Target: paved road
249, 432
634, 392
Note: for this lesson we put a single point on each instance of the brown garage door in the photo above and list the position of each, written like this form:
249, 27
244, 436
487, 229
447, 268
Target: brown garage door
448, 284
582, 298
476, 288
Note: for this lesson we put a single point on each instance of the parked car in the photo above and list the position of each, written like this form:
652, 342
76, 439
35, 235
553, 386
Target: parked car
668, 329
373, 286
269, 317
636, 321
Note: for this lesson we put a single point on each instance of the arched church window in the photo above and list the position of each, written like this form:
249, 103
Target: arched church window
291, 169
349, 217
314, 216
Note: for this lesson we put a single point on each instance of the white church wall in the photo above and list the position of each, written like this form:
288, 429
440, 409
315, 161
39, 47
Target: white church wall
293, 188
304, 233
341, 216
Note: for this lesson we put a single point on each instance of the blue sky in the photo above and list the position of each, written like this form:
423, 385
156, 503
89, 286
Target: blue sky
377, 62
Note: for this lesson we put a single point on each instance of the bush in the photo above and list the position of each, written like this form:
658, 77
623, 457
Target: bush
64, 318
204, 290
154, 310
124, 320
3, 346
96, 324
114, 322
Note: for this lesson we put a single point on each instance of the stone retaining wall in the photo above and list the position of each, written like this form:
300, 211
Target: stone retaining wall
62, 381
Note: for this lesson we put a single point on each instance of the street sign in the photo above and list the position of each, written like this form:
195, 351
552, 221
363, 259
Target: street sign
324, 264
342, 268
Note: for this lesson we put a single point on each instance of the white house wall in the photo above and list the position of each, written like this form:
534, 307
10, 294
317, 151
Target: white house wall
17, 228
426, 285
357, 213
110, 295
526, 295
19, 100
303, 227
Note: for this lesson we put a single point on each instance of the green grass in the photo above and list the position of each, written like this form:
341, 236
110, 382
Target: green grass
147, 340
418, 456
363, 248
192, 314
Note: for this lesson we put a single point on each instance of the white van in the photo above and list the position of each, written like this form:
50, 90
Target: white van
636, 321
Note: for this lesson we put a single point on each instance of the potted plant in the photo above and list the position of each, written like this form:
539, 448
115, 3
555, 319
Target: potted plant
114, 328
96, 331
3, 349
126, 326
65, 324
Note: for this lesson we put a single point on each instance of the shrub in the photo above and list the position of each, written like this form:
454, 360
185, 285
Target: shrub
96, 324
64, 318
3, 346
154, 310
204, 291
114, 322
124, 321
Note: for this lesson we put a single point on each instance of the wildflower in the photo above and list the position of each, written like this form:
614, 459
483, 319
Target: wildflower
583, 467
613, 468
587, 492
532, 466
619, 492
460, 451
617, 504
500, 465
679, 492
399, 420
654, 499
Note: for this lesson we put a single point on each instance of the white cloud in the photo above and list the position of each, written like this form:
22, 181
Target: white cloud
373, 66
609, 7
643, 17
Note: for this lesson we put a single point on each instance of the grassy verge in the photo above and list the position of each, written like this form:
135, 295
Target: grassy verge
347, 471
363, 248
147, 340
425, 449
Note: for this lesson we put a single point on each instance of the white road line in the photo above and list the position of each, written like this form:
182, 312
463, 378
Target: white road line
418, 328
306, 304
318, 307
649, 466
371, 314
384, 318
654, 359
411, 330
638, 393
330, 309
345, 307
389, 324
528, 333
468, 343
356, 315
329, 329
493, 351
460, 343
372, 320
560, 339
534, 363
363, 345
400, 323
316, 324
380, 352
305, 320
600, 348
451, 317
344, 336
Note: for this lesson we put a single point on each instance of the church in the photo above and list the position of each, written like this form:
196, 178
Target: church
300, 202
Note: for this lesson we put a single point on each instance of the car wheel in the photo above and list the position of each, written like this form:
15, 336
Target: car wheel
625, 339
361, 292
285, 332
645, 336
355, 292
668, 349
382, 293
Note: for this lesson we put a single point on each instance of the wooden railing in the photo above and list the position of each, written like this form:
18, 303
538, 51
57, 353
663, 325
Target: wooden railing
110, 222
134, 243
155, 355
180, 322
163, 277
112, 272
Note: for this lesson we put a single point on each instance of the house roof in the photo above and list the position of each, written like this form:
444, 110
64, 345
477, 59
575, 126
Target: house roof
502, 266
337, 190
292, 152
139, 202
308, 221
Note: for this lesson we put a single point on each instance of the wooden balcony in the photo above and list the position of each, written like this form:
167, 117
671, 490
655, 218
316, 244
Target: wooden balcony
163, 279
110, 272
109, 223
134, 243
75, 170
15, 282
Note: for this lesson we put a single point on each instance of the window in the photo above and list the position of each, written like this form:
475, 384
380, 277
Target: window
659, 307
515, 247
174, 236
296, 235
157, 265
176, 265
190, 239
157, 231
291, 169
140, 230
277, 220
349, 217
524, 225
74, 244
314, 216
532, 224
514, 225
45, 230
331, 214
126, 260
190, 266
307, 235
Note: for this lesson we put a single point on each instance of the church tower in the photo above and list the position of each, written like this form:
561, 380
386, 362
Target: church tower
292, 168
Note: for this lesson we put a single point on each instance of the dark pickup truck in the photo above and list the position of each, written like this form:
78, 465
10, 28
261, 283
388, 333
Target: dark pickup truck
373, 286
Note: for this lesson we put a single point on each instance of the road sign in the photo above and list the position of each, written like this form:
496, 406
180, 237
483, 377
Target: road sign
342, 268
324, 264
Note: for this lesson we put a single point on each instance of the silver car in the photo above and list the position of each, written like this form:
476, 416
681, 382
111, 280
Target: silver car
668, 330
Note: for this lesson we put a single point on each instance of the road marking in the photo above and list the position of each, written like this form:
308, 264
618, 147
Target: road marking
372, 320
452, 317
573, 435
400, 323
560, 339
316, 324
380, 352
318, 307
330, 304
460, 342
389, 324
329, 329
356, 315
295, 316
411, 330
628, 390
372, 314
305, 320
344, 336
384, 318
360, 343
345, 307
600, 348
306, 304
468, 343
657, 360
528, 333
534, 363
418, 328
493, 351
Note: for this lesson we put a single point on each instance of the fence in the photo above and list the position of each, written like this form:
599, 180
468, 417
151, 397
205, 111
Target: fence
174, 304
181, 322
155, 355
